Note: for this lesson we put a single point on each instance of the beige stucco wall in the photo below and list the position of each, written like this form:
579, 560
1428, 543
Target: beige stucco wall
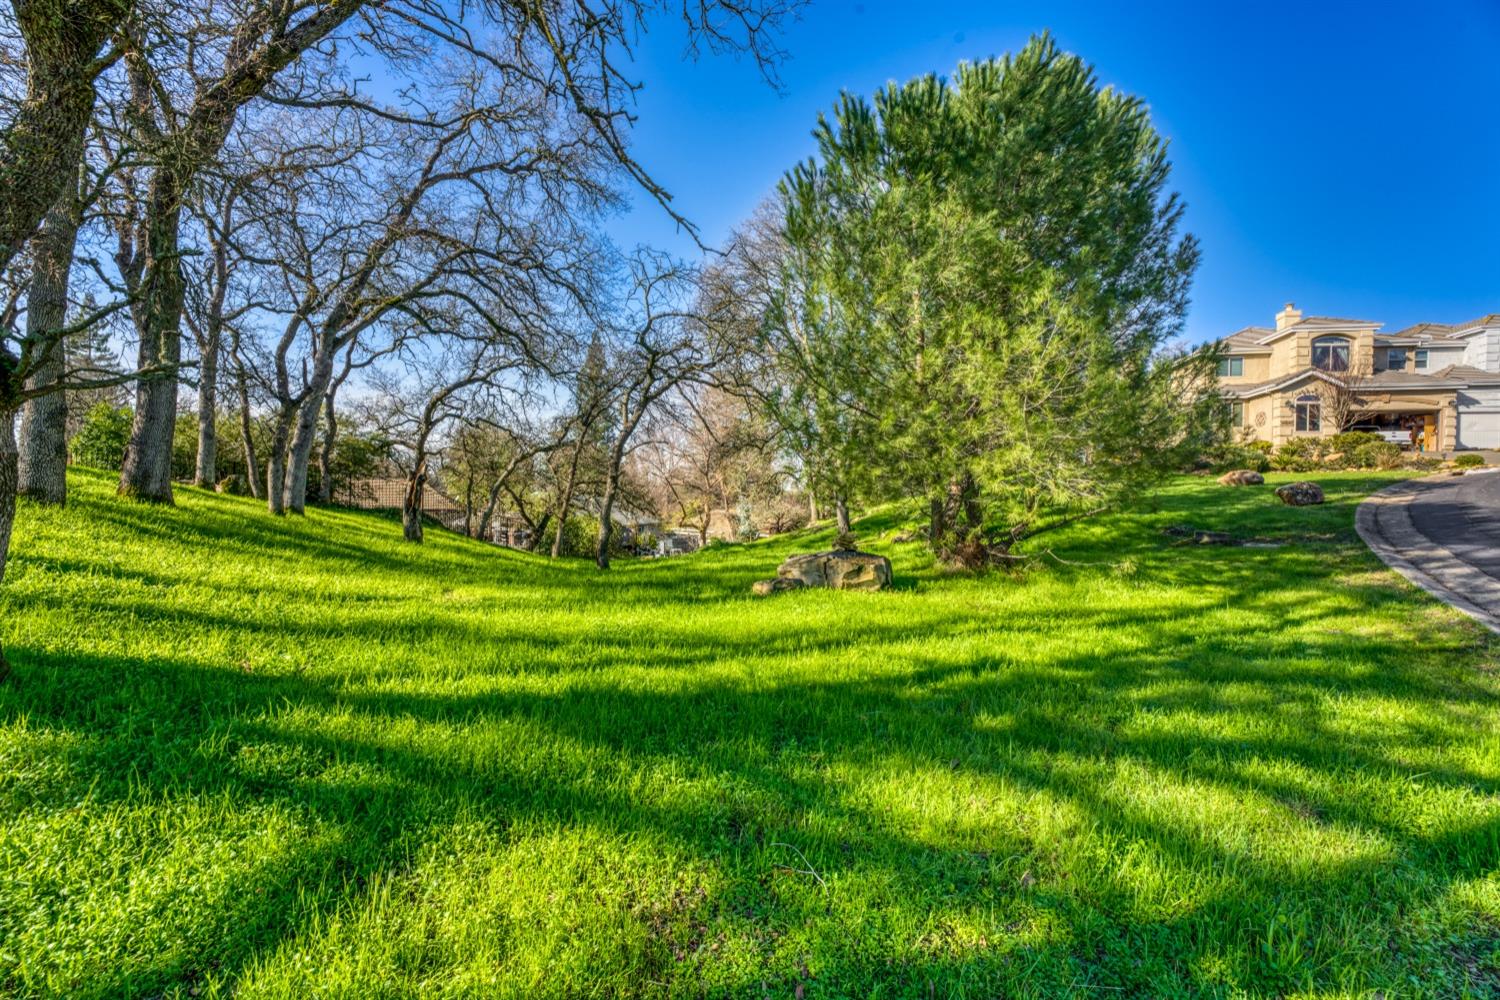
1257, 426
1294, 352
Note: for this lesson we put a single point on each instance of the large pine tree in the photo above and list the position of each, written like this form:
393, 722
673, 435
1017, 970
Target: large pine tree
981, 276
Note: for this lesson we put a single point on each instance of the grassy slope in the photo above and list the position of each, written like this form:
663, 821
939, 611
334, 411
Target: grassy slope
300, 758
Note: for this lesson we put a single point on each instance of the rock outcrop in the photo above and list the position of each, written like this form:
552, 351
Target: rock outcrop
839, 569
761, 588
1300, 494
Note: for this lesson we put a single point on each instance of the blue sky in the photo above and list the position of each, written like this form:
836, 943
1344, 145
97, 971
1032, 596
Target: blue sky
1331, 154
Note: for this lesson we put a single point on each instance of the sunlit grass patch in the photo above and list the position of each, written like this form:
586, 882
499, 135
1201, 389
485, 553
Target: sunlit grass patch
286, 758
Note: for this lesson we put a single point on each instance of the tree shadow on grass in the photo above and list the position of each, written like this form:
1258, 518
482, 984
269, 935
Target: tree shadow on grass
988, 809
773, 765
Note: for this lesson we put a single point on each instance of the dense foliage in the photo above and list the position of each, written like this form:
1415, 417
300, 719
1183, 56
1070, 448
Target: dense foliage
100, 440
979, 279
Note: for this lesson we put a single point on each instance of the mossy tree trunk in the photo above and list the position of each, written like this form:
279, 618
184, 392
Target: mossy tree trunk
41, 148
43, 460
8, 458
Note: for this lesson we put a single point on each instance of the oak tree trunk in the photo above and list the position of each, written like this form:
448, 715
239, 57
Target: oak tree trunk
411, 505
535, 541
306, 431
252, 462
205, 472
325, 454
488, 513
41, 148
606, 521
8, 459
276, 465
567, 498
147, 474
43, 474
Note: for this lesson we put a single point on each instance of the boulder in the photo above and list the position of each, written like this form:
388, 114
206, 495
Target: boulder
1300, 494
839, 569
1242, 477
763, 588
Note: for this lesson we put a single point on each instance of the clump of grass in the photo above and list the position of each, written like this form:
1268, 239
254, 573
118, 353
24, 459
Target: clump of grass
283, 758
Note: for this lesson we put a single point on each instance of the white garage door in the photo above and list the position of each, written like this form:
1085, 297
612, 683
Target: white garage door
1479, 430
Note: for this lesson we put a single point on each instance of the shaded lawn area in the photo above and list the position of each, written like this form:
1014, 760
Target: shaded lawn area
293, 758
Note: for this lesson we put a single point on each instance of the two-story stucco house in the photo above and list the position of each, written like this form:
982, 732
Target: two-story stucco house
1300, 377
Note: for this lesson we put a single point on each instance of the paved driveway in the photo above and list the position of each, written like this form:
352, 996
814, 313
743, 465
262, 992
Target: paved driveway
1443, 534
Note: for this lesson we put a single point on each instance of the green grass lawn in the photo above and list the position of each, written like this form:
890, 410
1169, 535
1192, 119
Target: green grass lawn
300, 758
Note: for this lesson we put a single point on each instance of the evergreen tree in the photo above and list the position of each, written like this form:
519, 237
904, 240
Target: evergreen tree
980, 280
88, 354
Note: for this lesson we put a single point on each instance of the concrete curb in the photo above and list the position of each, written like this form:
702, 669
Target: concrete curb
1385, 525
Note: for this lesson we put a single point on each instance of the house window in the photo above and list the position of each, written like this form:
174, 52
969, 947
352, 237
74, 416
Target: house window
1330, 354
1421, 364
1395, 359
1236, 413
1309, 414
1231, 367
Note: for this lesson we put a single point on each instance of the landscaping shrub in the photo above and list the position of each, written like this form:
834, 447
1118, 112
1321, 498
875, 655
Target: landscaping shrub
1469, 461
1376, 454
1350, 441
1240, 456
581, 536
1297, 455
100, 442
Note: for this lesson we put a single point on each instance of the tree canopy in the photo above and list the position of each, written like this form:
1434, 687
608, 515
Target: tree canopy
974, 286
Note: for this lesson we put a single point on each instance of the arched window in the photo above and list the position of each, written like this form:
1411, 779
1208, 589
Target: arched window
1330, 354
1309, 413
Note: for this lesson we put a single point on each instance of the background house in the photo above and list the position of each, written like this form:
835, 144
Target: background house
1317, 375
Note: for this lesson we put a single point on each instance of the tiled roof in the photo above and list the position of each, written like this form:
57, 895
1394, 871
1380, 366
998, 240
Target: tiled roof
1445, 379
1330, 321
388, 494
1492, 319
1425, 331
1247, 339
1389, 379
1468, 374
1315, 323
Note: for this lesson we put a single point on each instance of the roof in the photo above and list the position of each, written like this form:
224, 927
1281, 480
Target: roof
1317, 323
1310, 321
1383, 380
1253, 339
1490, 319
1388, 379
1423, 331
1469, 374
1247, 339
388, 494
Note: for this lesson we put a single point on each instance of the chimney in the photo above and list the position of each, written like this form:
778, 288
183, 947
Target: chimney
1291, 314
